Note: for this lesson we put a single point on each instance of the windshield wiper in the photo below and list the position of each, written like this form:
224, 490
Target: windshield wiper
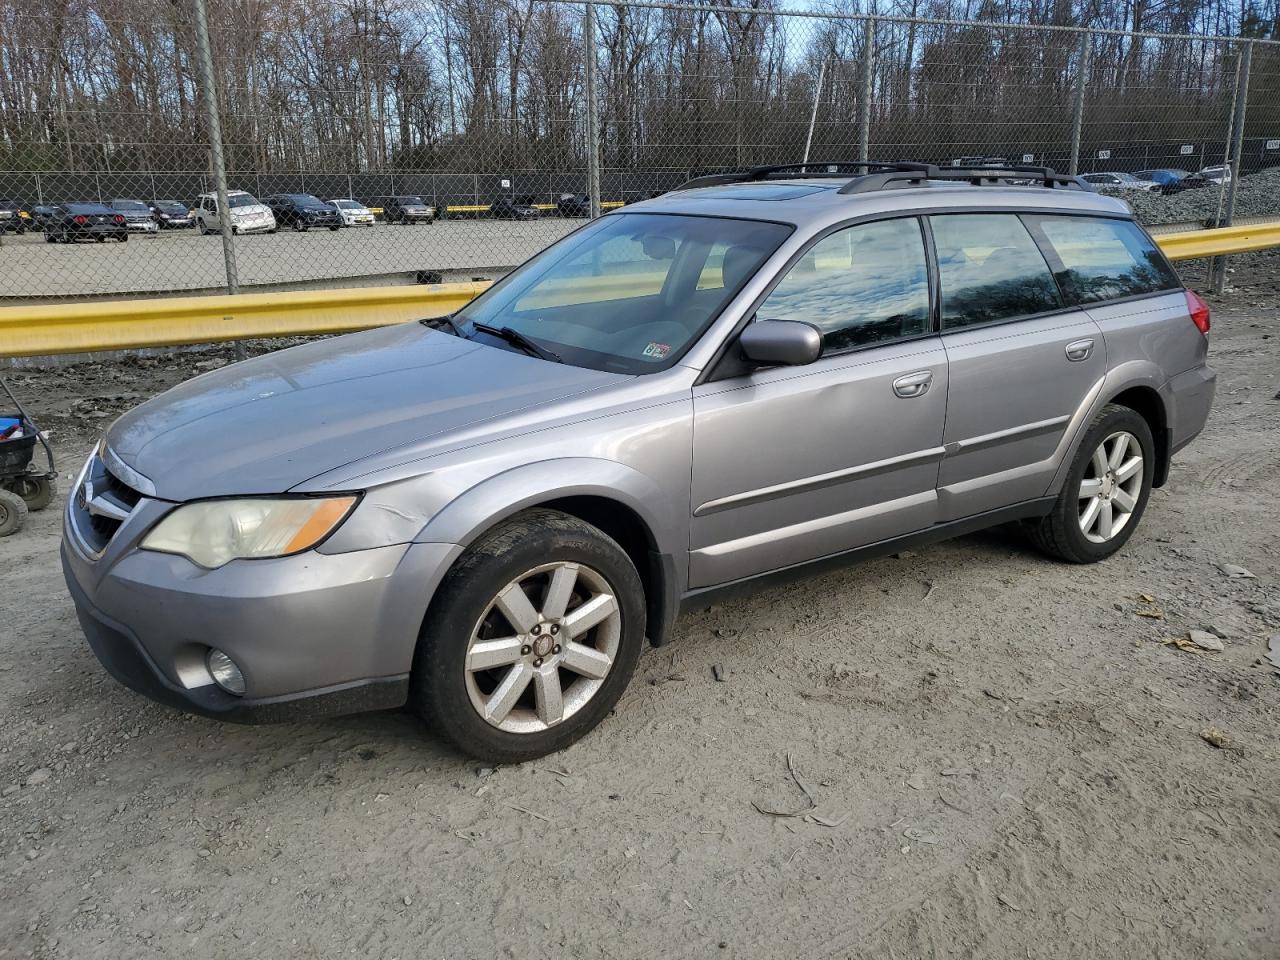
517, 339
447, 320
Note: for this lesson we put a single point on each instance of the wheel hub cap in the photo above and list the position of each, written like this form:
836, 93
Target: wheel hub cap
1110, 487
543, 647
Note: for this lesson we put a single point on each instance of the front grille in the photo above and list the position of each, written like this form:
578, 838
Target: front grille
101, 505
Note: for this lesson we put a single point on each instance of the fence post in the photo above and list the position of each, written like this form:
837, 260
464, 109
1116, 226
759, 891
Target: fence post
868, 80
1233, 161
1077, 112
593, 109
215, 142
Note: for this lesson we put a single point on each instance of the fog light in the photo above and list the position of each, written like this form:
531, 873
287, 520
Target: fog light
225, 673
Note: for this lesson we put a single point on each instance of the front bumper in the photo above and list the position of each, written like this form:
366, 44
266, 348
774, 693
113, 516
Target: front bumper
314, 634
254, 226
176, 223
142, 226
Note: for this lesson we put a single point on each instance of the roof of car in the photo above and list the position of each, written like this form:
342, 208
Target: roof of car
813, 201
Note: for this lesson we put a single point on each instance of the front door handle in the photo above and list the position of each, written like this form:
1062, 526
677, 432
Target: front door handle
913, 384
1078, 350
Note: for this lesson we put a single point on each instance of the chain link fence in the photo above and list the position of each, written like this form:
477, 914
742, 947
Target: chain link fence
512, 120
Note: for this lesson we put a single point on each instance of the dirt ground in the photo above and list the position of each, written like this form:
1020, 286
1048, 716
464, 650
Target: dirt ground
1004, 759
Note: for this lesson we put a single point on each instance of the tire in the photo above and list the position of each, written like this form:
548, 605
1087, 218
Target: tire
50, 238
13, 513
526, 551
36, 492
1068, 533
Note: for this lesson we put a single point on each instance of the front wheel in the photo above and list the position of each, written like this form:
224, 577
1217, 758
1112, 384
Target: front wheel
1105, 493
533, 637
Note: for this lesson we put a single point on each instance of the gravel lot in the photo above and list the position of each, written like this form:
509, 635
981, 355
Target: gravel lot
1005, 758
183, 260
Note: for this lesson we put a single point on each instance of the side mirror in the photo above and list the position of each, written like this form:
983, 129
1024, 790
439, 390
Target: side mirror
781, 342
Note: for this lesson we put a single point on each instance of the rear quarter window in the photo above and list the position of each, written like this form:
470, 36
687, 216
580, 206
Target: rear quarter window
1105, 259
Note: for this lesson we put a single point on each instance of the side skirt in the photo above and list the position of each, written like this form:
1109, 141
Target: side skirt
704, 597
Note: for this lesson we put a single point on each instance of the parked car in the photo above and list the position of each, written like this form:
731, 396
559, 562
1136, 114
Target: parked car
138, 216
1167, 179
514, 208
85, 221
302, 211
488, 515
574, 205
14, 217
1221, 173
172, 214
248, 215
406, 209
353, 213
41, 214
1120, 183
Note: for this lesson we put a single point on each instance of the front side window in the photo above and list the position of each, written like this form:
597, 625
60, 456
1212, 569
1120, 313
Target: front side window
865, 284
990, 270
1106, 259
629, 292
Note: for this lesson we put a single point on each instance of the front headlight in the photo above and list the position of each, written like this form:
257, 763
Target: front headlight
214, 532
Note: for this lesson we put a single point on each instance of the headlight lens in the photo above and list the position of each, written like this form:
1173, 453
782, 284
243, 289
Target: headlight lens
214, 532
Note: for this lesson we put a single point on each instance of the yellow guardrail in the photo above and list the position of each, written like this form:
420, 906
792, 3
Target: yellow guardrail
27, 331
124, 324
1219, 241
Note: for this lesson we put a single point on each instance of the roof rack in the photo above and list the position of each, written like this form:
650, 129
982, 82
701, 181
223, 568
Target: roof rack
811, 168
879, 176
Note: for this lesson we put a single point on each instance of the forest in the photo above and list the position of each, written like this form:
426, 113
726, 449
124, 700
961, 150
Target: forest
480, 85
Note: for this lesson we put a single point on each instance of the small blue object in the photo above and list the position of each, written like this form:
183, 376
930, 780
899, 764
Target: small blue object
7, 422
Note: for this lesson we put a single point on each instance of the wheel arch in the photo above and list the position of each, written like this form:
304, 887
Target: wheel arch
624, 504
1146, 401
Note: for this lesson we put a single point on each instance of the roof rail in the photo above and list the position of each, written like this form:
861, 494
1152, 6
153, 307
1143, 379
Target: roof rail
880, 175
811, 168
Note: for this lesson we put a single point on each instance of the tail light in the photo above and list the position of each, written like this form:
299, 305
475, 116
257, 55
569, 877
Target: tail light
118, 219
1199, 311
80, 220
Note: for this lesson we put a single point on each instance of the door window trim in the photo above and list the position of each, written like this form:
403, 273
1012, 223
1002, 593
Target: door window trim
724, 366
1018, 215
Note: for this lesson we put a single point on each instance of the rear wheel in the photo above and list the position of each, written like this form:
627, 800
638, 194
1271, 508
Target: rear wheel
1105, 493
532, 639
13, 512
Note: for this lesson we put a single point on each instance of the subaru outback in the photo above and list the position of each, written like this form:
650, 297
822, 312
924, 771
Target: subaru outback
486, 516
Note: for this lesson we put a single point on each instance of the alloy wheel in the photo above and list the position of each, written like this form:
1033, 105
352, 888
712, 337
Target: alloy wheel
543, 647
1111, 487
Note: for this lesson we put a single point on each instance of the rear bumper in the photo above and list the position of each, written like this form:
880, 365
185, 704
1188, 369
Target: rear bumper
1191, 394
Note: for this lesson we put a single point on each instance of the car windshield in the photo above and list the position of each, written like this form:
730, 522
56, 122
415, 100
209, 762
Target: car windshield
629, 292
306, 200
136, 206
242, 200
167, 204
79, 208
349, 204
409, 200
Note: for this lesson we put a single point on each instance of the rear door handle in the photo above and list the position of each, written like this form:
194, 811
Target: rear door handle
913, 384
1078, 350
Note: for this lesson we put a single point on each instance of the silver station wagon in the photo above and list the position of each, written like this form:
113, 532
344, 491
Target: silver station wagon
486, 516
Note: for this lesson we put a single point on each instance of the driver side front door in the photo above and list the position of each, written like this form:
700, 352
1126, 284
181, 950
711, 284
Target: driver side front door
792, 464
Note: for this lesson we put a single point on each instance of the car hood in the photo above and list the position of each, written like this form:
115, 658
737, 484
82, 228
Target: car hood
252, 210
268, 424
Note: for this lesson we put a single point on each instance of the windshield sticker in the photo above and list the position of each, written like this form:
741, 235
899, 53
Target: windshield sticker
656, 351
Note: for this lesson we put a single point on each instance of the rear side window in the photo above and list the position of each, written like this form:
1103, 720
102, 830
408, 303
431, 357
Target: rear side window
1106, 259
991, 270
